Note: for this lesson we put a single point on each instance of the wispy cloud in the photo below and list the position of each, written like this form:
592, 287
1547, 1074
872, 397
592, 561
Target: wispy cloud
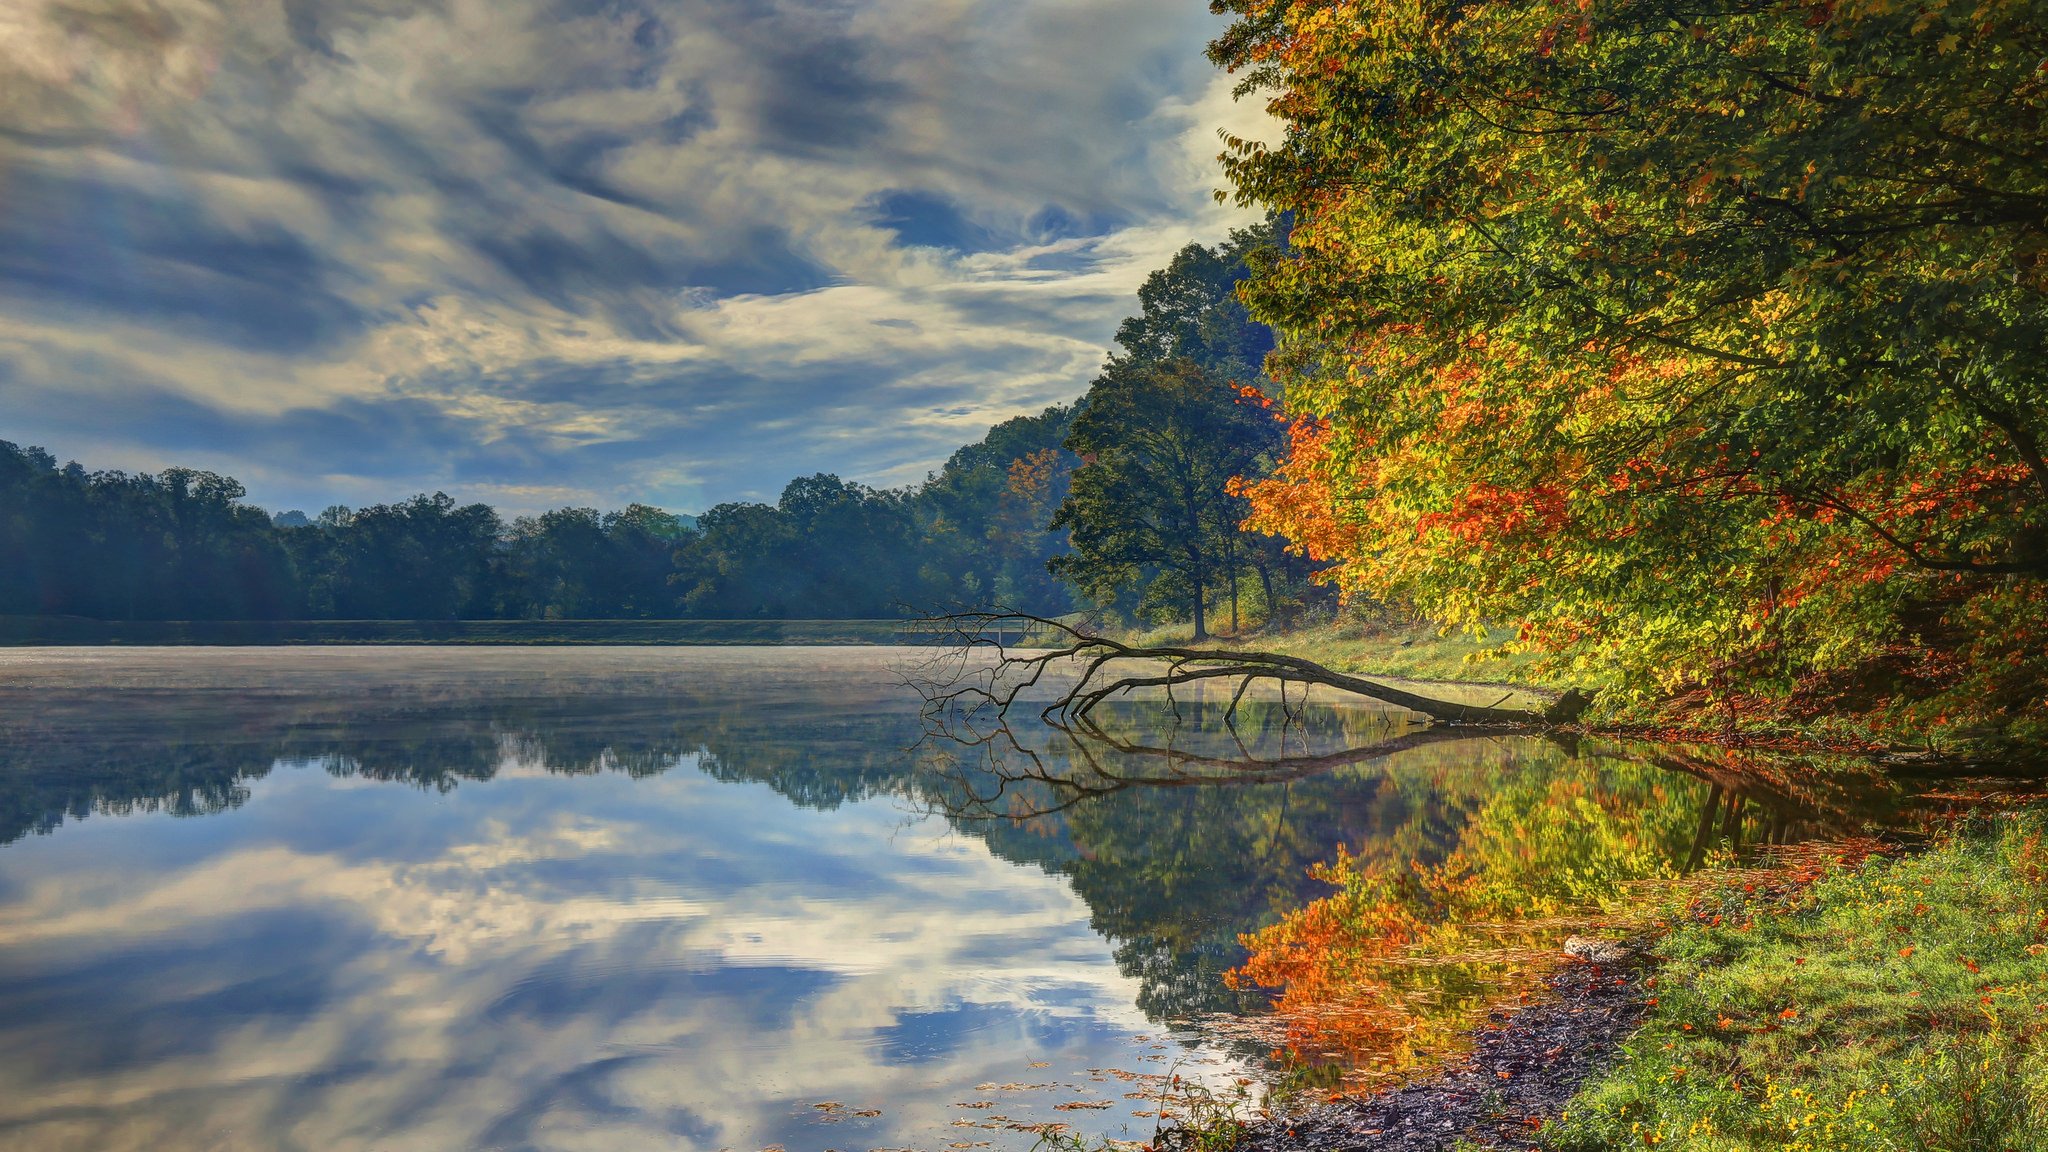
537, 251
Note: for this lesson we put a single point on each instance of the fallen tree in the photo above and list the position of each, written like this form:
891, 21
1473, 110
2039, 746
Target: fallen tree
1094, 763
960, 684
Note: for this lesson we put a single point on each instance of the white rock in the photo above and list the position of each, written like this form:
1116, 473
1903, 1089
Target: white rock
1596, 951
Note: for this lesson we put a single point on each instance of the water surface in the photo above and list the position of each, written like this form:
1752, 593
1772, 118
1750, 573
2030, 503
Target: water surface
416, 898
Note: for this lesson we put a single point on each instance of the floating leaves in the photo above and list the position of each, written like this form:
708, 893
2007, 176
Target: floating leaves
832, 1111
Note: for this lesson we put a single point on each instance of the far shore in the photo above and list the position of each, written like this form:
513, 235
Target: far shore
46, 631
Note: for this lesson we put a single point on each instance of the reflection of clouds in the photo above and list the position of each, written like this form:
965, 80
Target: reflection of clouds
586, 963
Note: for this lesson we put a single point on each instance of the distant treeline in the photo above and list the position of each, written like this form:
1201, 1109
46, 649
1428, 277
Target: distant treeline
1122, 500
181, 545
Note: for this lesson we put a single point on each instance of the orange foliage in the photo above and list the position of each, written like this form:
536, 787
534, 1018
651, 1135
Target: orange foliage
1298, 501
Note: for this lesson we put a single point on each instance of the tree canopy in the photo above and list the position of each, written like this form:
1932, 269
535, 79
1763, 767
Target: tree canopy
1152, 506
184, 545
1704, 342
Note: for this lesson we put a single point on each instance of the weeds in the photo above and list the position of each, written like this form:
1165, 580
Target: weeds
1193, 1117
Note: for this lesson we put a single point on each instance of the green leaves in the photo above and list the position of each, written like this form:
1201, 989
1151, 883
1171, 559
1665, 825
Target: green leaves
1163, 432
1779, 269
1151, 506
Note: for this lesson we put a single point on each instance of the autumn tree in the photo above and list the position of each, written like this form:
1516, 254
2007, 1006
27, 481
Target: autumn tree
1701, 340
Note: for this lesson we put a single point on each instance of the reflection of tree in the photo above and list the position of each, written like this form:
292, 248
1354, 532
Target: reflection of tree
1481, 849
1423, 933
1426, 929
1174, 876
817, 758
1176, 848
192, 754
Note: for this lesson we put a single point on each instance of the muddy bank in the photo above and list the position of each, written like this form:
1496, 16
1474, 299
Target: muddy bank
1524, 1068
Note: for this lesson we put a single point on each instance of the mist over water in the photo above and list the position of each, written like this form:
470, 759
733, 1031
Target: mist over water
415, 898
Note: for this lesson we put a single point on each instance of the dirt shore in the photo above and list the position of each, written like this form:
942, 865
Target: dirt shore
1523, 1069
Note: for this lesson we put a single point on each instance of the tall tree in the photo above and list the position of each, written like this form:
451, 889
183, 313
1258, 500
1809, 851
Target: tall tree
1176, 418
1152, 508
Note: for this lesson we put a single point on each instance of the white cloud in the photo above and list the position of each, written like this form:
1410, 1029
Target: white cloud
596, 962
595, 252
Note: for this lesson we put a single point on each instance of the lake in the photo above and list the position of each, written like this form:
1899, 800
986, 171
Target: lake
720, 898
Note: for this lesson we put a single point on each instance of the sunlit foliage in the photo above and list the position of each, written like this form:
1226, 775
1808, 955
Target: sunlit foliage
1706, 343
1430, 927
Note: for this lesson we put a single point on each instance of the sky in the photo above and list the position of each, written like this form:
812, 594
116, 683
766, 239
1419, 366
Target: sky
580, 252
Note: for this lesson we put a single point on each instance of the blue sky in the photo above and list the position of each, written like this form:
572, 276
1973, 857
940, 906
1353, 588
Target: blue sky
546, 252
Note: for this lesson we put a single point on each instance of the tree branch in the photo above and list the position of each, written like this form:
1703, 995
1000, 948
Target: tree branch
960, 692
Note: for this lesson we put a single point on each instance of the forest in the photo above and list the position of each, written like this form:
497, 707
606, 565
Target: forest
1150, 529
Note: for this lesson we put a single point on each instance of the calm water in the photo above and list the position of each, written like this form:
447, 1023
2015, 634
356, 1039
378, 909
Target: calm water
627, 899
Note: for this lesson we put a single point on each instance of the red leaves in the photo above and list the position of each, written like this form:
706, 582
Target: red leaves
1248, 394
1300, 499
1485, 514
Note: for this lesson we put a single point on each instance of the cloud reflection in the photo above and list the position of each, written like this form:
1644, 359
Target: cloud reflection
541, 963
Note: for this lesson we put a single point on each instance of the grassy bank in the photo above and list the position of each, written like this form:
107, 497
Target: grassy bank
1898, 1004
1415, 651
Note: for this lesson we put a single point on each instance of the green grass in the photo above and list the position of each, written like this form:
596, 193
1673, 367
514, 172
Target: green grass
1896, 1005
1355, 645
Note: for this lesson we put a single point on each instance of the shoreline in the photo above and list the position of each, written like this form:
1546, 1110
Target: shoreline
78, 632
1413, 658
1524, 1067
1861, 998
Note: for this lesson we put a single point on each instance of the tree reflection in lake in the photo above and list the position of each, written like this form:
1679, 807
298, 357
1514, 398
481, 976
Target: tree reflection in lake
1468, 861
